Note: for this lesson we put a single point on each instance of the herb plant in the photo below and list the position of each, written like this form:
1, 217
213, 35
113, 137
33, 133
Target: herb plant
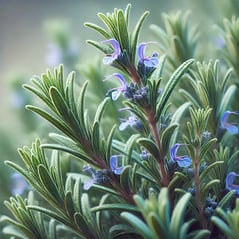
157, 159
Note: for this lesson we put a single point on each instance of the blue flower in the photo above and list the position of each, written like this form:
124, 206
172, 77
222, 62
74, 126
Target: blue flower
182, 161
132, 121
150, 61
98, 176
230, 127
101, 176
230, 185
115, 92
114, 165
109, 58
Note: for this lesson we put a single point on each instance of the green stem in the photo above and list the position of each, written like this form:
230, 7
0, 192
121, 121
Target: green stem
198, 196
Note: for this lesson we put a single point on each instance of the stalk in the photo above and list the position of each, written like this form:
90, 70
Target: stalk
160, 159
198, 196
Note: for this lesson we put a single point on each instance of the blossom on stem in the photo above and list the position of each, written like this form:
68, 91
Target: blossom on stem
182, 161
115, 92
132, 121
109, 58
98, 176
114, 165
150, 61
230, 185
101, 175
230, 127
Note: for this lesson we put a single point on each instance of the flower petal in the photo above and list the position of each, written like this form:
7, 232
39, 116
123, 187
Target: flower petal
88, 184
116, 51
123, 126
114, 165
141, 51
230, 182
173, 151
232, 129
184, 162
107, 60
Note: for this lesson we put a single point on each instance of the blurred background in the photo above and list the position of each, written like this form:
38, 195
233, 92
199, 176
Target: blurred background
36, 35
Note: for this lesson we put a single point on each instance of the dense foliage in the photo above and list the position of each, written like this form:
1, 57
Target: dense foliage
157, 159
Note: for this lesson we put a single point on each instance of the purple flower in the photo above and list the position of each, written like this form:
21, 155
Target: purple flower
230, 185
182, 161
230, 127
114, 165
132, 121
98, 176
109, 58
118, 90
101, 176
150, 61
19, 184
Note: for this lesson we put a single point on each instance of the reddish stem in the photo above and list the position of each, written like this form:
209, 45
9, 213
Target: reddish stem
134, 75
160, 159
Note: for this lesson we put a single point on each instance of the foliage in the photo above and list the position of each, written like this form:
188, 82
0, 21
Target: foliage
167, 171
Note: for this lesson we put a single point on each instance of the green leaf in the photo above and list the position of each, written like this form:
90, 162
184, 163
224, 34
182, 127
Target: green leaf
178, 214
115, 206
205, 147
227, 98
157, 226
223, 227
168, 89
176, 119
100, 46
54, 120
140, 226
135, 35
56, 215
49, 184
69, 204
167, 136
100, 109
125, 178
99, 29
123, 31
150, 146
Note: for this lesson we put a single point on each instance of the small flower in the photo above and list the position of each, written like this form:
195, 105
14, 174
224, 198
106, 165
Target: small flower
98, 176
132, 121
114, 165
150, 61
19, 184
206, 134
182, 161
144, 155
230, 185
109, 58
139, 95
230, 127
115, 92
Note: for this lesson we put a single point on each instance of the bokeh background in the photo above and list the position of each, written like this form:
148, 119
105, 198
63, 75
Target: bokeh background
36, 35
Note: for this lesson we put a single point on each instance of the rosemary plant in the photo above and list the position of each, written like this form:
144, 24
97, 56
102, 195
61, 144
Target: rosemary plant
169, 169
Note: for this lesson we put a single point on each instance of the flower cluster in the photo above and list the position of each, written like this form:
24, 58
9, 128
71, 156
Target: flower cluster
145, 66
137, 93
102, 176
